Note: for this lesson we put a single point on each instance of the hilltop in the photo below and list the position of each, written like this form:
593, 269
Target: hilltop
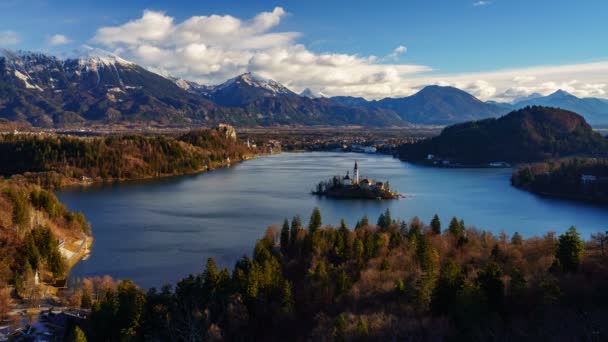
525, 135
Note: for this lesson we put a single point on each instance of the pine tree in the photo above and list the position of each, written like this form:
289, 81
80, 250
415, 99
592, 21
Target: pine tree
455, 228
491, 285
570, 250
387, 218
315, 220
516, 239
436, 225
285, 239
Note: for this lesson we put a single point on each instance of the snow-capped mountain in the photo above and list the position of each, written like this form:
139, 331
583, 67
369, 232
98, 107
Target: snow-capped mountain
244, 89
311, 94
91, 85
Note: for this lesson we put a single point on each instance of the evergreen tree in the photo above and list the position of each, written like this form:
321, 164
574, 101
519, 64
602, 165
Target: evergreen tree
516, 239
455, 228
315, 220
364, 221
517, 285
296, 225
287, 302
491, 285
448, 287
436, 225
570, 250
381, 221
285, 239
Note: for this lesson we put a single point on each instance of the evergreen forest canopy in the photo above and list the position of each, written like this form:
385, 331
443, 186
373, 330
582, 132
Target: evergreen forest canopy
526, 135
49, 160
390, 280
578, 178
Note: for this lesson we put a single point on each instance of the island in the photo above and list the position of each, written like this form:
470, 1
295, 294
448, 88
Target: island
355, 187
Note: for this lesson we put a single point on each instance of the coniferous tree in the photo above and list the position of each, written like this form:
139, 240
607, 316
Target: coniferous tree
570, 250
448, 287
387, 218
516, 239
491, 285
455, 228
436, 225
285, 238
315, 220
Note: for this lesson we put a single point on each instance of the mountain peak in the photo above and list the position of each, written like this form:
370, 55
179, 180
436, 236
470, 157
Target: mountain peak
87, 55
560, 93
311, 94
249, 79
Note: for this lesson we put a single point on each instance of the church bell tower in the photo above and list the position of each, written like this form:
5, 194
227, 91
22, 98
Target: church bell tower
356, 174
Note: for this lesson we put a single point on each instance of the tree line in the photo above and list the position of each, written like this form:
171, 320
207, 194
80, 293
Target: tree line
115, 157
393, 279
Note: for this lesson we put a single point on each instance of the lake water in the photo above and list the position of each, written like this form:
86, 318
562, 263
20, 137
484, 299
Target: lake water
156, 232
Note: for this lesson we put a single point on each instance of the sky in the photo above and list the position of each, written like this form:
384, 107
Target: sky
495, 49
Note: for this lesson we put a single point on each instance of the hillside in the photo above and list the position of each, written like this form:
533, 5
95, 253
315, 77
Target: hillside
61, 160
525, 135
31, 222
45, 91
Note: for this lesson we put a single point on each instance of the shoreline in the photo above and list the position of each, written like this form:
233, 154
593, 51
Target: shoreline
68, 182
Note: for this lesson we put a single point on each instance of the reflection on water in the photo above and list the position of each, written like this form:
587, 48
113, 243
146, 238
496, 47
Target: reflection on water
159, 231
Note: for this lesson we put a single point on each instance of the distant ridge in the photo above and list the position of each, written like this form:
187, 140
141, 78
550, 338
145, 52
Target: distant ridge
594, 110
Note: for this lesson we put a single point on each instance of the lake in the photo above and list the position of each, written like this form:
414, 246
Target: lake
156, 232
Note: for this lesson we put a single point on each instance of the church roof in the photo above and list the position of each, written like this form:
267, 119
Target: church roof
346, 177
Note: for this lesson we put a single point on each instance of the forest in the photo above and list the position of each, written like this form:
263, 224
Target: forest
32, 220
531, 134
584, 179
53, 161
393, 279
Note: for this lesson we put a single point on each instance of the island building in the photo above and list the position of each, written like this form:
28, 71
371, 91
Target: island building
365, 183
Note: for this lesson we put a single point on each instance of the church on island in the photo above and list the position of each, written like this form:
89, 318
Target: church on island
364, 183
355, 186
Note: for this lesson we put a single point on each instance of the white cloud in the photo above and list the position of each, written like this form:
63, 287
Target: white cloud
396, 52
583, 80
212, 48
9, 38
58, 39
481, 3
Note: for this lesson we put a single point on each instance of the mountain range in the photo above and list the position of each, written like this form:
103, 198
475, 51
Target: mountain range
95, 86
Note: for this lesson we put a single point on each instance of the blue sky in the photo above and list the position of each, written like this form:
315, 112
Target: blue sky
448, 37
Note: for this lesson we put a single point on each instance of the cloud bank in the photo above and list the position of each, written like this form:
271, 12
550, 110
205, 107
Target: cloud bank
212, 48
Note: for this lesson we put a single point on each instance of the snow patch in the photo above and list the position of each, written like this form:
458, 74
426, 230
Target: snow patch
26, 79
